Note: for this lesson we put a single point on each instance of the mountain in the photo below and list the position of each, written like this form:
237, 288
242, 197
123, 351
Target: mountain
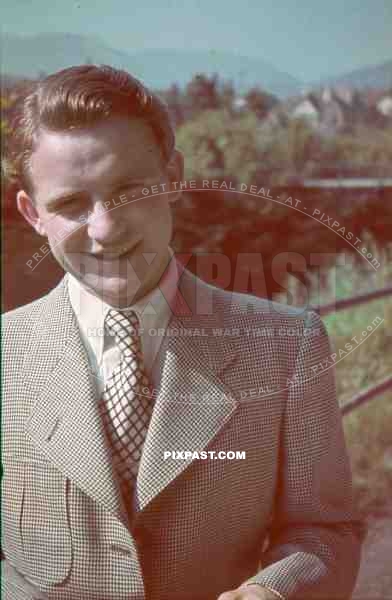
32, 56
376, 76
176, 65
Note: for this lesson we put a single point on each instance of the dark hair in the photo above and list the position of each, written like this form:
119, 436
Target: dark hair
78, 97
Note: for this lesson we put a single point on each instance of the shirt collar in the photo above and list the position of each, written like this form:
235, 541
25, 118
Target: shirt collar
152, 309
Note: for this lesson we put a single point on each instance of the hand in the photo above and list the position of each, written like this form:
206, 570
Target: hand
253, 591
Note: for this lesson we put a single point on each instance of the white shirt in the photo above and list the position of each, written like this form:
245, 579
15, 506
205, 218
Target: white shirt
153, 311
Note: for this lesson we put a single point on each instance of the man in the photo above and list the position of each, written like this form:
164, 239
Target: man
99, 408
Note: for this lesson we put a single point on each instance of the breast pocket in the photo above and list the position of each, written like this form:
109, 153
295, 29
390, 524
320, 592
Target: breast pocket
36, 532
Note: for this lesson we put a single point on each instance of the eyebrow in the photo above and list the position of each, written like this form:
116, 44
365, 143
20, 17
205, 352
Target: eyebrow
53, 202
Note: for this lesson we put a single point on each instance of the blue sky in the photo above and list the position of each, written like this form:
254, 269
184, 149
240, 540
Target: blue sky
306, 38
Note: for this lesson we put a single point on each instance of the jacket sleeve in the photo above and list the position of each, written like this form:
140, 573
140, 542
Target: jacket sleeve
316, 534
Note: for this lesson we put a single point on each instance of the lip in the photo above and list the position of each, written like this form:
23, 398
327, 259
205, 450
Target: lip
118, 256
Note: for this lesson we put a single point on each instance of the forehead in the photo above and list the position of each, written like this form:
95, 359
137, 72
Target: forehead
118, 145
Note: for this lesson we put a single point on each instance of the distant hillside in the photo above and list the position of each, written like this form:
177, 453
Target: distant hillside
45, 53
377, 76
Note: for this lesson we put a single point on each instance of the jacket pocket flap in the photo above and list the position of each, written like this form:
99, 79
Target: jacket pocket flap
37, 521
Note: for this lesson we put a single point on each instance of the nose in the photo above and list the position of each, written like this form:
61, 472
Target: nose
106, 223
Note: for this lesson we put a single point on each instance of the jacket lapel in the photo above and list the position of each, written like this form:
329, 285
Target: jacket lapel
192, 401
192, 406
64, 423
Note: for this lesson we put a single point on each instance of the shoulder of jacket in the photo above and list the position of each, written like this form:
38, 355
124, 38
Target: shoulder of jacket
33, 310
247, 304
23, 313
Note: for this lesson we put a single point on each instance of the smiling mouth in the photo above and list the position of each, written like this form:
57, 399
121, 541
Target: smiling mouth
105, 257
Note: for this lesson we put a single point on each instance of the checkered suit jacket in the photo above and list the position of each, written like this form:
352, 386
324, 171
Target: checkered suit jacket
282, 517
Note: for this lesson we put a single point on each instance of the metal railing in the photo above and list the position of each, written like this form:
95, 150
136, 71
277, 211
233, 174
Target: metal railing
325, 309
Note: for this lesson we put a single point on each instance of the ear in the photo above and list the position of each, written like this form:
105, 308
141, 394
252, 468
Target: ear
28, 210
175, 174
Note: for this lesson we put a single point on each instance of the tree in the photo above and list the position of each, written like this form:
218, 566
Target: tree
227, 95
291, 147
201, 94
215, 144
260, 102
175, 101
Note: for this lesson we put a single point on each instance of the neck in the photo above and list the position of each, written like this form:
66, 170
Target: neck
149, 285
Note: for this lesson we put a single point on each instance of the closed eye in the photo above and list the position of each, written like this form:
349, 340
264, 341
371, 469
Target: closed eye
129, 187
70, 202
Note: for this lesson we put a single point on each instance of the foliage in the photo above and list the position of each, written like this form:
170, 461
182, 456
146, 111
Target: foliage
368, 428
215, 144
291, 147
203, 93
260, 102
365, 147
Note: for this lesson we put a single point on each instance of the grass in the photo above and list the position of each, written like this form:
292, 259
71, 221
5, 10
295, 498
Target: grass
368, 429
368, 435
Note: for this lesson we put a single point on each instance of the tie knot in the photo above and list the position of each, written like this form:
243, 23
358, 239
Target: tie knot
123, 326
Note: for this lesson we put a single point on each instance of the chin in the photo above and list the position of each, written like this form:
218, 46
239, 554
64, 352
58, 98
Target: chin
121, 295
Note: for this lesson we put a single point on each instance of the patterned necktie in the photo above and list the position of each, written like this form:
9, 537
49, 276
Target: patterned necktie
126, 401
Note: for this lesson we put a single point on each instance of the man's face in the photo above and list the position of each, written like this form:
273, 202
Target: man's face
88, 202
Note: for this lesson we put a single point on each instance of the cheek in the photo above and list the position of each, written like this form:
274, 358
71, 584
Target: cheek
63, 234
158, 218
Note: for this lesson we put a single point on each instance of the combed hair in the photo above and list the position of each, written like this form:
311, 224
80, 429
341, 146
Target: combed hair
78, 97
